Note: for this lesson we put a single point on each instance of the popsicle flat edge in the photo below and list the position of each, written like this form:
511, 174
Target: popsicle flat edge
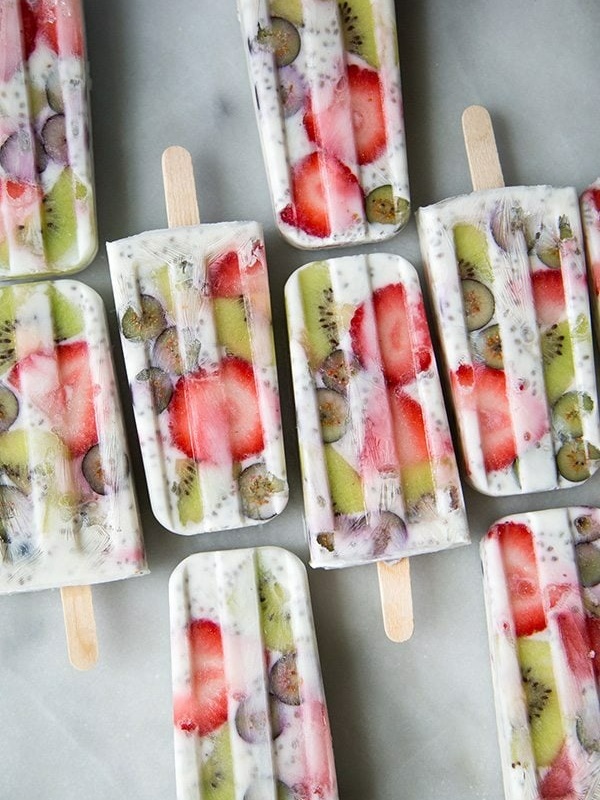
396, 599
80, 626
482, 153
180, 188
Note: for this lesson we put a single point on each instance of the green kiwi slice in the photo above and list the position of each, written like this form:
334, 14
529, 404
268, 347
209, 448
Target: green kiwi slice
478, 303
281, 37
488, 345
573, 459
320, 317
217, 777
588, 563
59, 218
232, 328
337, 370
67, 316
9, 408
16, 538
257, 488
567, 413
161, 388
187, 491
146, 324
333, 414
471, 252
289, 9
345, 484
358, 29
8, 353
557, 355
274, 612
384, 207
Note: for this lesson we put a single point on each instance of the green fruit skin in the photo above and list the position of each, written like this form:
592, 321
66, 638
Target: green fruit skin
559, 370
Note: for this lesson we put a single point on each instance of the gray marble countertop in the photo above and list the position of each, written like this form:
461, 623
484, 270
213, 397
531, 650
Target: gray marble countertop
412, 721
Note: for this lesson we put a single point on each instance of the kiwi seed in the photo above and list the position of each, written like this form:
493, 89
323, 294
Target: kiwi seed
282, 39
382, 206
333, 414
478, 303
488, 344
141, 327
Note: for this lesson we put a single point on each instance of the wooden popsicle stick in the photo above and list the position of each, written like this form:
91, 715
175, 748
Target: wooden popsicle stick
482, 154
180, 187
396, 599
80, 626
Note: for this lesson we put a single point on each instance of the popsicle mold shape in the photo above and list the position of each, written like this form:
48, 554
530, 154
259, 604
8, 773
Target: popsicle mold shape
590, 215
326, 86
542, 590
508, 280
68, 513
379, 474
195, 321
47, 206
249, 708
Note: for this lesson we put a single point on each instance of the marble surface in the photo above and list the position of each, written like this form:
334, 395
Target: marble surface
412, 721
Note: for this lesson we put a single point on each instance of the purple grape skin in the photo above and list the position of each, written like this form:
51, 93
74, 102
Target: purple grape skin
17, 158
251, 720
292, 90
54, 138
284, 682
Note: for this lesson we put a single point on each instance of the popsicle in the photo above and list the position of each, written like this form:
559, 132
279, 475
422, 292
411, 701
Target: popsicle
542, 591
249, 708
508, 280
68, 513
326, 86
195, 322
590, 216
379, 474
47, 208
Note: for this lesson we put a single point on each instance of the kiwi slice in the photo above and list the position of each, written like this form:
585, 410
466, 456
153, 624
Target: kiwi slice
16, 538
187, 491
161, 388
59, 219
274, 612
383, 206
7, 329
146, 324
281, 37
257, 488
418, 488
337, 370
478, 303
344, 483
9, 408
217, 777
67, 316
289, 9
320, 317
567, 413
547, 247
333, 414
233, 332
588, 563
471, 251
358, 28
543, 710
557, 355
573, 459
587, 527
284, 680
488, 345
166, 354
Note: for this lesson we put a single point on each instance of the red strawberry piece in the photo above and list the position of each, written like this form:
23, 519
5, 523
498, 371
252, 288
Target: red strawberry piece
548, 296
593, 196
593, 630
409, 427
205, 709
60, 26
228, 277
495, 425
59, 384
520, 569
575, 641
557, 783
403, 340
357, 104
326, 196
28, 26
215, 415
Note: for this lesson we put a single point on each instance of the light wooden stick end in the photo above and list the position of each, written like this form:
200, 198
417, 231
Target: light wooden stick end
482, 153
396, 599
80, 626
180, 187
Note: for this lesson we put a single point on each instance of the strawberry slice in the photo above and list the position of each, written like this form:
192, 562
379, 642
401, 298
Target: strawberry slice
404, 341
214, 416
59, 384
357, 103
593, 630
60, 26
575, 641
326, 196
409, 425
520, 569
557, 783
227, 275
548, 296
205, 708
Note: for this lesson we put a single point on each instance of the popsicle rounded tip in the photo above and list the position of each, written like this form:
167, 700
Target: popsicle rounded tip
476, 114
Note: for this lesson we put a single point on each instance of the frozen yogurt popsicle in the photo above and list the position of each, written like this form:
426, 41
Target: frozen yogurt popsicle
68, 513
47, 213
508, 280
249, 708
590, 215
379, 474
542, 590
328, 103
195, 321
